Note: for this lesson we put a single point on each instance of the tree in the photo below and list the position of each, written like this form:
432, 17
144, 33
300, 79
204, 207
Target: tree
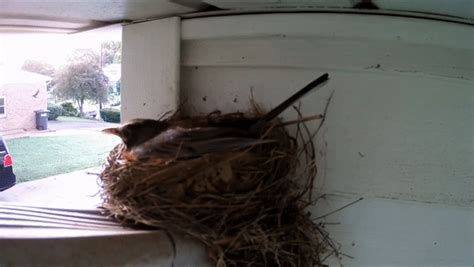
111, 52
38, 66
82, 79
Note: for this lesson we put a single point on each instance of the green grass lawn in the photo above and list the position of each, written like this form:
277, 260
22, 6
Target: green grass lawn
40, 157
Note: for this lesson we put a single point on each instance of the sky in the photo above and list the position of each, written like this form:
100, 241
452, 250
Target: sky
52, 48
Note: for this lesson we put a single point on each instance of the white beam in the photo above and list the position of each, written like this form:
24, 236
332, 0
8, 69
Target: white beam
150, 72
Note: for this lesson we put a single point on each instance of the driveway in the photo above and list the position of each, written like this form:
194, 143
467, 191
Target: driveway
73, 127
64, 128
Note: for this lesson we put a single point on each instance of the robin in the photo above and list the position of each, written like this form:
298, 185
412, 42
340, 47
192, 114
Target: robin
195, 136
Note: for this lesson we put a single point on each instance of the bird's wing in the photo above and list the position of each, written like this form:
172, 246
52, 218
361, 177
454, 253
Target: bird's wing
190, 143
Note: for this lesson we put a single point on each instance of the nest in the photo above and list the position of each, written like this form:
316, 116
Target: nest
247, 207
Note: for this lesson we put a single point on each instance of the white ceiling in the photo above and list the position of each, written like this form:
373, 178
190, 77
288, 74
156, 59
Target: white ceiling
78, 15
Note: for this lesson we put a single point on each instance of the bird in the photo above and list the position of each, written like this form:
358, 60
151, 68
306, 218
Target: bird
192, 137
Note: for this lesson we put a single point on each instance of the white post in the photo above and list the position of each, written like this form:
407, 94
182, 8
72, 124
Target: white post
150, 68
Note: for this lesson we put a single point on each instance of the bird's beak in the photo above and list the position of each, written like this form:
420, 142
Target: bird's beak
114, 131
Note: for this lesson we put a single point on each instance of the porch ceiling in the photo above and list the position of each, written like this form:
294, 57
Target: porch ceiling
69, 16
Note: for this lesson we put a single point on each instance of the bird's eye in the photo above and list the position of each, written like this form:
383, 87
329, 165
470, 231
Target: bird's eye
126, 133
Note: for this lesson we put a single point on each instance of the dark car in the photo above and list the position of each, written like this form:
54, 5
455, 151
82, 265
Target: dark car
7, 177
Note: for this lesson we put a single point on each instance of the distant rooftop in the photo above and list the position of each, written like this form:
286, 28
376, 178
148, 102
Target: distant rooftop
9, 76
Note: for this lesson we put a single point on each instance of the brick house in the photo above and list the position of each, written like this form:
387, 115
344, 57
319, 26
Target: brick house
21, 93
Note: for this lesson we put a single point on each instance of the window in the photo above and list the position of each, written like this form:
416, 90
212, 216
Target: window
2, 106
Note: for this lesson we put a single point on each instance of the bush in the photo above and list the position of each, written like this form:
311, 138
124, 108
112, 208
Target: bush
54, 111
117, 86
69, 109
110, 114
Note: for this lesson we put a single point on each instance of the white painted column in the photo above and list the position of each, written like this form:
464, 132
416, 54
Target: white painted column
150, 68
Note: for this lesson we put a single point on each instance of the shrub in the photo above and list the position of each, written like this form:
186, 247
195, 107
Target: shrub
69, 109
110, 114
54, 111
117, 86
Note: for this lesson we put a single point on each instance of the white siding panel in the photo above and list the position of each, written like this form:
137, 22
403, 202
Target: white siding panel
399, 233
400, 129
368, 28
389, 135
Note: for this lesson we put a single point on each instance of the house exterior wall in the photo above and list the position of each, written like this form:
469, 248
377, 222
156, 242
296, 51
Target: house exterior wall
399, 131
21, 104
403, 93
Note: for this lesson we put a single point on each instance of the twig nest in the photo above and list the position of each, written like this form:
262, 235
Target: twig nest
247, 206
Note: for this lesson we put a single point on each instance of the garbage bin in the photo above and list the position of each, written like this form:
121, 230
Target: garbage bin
41, 119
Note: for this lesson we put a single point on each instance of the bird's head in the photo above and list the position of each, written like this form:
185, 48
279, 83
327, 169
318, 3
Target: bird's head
137, 131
